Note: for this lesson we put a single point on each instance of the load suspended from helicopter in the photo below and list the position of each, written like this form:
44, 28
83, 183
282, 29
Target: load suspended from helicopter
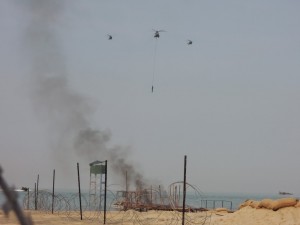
156, 36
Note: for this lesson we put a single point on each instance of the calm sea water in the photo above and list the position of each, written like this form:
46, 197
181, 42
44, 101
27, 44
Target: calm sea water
206, 200
232, 200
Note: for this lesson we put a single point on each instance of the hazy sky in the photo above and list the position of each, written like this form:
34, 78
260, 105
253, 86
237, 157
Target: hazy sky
230, 101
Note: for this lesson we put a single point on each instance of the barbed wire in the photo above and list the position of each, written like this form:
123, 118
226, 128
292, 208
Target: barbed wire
67, 205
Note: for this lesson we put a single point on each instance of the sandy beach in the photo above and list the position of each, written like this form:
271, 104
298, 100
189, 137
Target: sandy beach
247, 215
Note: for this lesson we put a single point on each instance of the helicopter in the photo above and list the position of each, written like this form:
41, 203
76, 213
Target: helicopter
109, 37
189, 42
156, 33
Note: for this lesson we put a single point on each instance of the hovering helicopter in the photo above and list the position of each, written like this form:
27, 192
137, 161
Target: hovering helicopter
109, 37
156, 33
189, 42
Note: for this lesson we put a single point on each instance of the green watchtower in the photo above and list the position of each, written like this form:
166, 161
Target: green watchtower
98, 180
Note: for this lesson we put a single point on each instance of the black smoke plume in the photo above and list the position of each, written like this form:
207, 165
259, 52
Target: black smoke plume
67, 113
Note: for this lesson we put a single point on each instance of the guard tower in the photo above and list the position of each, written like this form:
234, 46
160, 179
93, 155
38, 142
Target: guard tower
98, 184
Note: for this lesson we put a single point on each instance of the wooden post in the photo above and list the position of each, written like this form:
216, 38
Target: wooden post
184, 191
53, 190
79, 191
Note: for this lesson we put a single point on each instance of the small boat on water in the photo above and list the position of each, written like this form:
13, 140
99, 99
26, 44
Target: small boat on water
284, 193
22, 189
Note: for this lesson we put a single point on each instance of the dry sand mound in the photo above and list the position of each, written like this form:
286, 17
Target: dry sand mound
285, 211
271, 204
252, 216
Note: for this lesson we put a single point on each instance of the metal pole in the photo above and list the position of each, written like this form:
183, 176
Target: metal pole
53, 190
179, 194
35, 203
28, 198
105, 191
151, 195
175, 196
37, 190
126, 183
184, 191
79, 190
160, 200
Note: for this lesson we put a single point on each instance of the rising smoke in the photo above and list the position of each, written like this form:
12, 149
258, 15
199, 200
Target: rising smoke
66, 112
